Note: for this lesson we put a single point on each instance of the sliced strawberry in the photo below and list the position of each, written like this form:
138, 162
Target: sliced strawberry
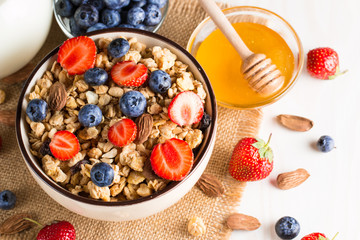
186, 108
64, 145
128, 73
77, 54
172, 159
122, 133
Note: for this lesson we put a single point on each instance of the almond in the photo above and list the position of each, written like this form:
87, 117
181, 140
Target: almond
16, 224
7, 117
210, 185
292, 179
239, 221
295, 123
57, 96
144, 125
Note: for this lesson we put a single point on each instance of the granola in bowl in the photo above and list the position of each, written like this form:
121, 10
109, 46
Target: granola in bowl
135, 166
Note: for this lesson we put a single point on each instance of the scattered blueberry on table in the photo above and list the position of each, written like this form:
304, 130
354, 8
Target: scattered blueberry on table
91, 15
102, 174
287, 228
325, 144
133, 104
7, 200
90, 115
36, 110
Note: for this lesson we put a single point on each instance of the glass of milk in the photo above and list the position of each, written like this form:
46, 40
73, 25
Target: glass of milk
24, 26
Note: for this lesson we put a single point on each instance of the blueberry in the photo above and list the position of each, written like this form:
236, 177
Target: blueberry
152, 15
325, 143
90, 115
118, 47
64, 8
96, 26
159, 81
86, 16
110, 17
7, 200
98, 4
135, 16
116, 4
133, 104
138, 3
140, 26
205, 121
76, 2
96, 76
102, 174
36, 110
159, 3
45, 148
287, 228
125, 25
74, 28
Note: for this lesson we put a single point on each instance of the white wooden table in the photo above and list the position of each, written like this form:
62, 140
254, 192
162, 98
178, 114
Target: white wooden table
329, 201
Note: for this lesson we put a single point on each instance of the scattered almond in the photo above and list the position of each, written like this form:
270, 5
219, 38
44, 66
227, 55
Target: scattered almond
144, 125
57, 96
239, 221
2, 96
292, 179
16, 224
196, 226
210, 185
295, 123
19, 76
7, 117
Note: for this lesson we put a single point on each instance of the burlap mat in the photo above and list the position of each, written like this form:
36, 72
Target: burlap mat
183, 17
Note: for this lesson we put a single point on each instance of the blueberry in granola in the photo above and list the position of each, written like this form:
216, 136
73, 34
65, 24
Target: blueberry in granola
86, 16
90, 115
205, 121
102, 174
110, 17
159, 81
36, 110
45, 148
77, 167
96, 76
133, 104
7, 200
135, 16
118, 47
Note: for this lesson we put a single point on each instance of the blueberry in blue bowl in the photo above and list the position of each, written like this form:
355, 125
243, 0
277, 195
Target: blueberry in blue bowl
135, 16
111, 18
86, 16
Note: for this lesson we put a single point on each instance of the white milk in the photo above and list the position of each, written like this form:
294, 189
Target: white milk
24, 25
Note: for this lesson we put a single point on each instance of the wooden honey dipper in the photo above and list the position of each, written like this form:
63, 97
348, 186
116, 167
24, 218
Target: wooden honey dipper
262, 76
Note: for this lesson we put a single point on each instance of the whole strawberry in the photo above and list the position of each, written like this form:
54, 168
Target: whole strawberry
62, 230
323, 63
252, 160
317, 236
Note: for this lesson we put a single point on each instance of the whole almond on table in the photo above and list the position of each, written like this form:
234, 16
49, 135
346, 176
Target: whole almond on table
292, 179
2, 96
16, 224
239, 221
295, 123
57, 96
210, 185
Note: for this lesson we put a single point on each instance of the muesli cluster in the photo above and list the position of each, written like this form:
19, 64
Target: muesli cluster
105, 124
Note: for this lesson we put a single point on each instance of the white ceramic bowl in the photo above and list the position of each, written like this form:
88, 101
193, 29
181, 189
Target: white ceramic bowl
126, 210
24, 26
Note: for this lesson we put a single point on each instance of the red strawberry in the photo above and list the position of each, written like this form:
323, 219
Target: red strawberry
251, 160
172, 159
323, 63
317, 236
64, 145
122, 133
128, 73
62, 230
186, 108
77, 54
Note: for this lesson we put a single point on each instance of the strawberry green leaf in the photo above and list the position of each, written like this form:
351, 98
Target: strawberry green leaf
264, 149
269, 154
258, 145
322, 238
